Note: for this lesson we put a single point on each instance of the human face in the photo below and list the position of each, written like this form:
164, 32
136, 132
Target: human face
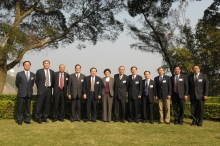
62, 68
77, 69
147, 75
133, 71
46, 65
107, 74
196, 69
121, 70
27, 66
177, 70
93, 72
161, 72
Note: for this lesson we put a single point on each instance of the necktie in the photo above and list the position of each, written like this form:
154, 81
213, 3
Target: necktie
47, 78
161, 78
92, 85
120, 77
77, 76
61, 81
176, 84
146, 88
27, 77
196, 77
133, 77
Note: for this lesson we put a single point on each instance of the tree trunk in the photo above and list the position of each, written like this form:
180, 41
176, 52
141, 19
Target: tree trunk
3, 71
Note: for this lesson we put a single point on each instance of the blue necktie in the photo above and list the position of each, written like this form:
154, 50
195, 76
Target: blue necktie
146, 88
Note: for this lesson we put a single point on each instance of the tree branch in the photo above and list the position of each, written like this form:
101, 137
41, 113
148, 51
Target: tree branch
24, 50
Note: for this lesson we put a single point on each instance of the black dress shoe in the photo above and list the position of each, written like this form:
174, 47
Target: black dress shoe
151, 122
39, 121
144, 121
199, 124
94, 121
19, 123
123, 121
54, 120
61, 120
79, 120
44, 120
193, 123
160, 123
167, 123
181, 123
175, 123
86, 120
137, 121
27, 122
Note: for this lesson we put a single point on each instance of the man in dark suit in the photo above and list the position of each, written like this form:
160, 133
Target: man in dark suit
24, 82
163, 94
60, 87
92, 91
148, 93
179, 94
44, 83
134, 94
198, 93
120, 91
75, 93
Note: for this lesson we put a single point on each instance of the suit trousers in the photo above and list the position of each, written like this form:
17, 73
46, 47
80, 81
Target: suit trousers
119, 106
164, 110
133, 104
147, 109
107, 107
59, 105
75, 109
21, 102
43, 104
91, 102
178, 107
197, 110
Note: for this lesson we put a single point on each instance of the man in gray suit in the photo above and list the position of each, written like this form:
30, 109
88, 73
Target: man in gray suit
75, 89
24, 82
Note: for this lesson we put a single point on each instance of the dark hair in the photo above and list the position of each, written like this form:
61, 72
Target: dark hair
46, 61
133, 67
176, 67
93, 68
25, 62
107, 70
195, 65
160, 68
146, 71
77, 65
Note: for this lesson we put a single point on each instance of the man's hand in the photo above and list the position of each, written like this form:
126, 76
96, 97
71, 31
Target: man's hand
139, 96
156, 97
168, 97
84, 96
185, 97
69, 96
205, 97
99, 96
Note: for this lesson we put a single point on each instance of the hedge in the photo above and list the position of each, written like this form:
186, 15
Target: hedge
8, 108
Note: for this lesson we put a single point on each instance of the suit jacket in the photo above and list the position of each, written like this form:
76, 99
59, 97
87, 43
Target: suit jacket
182, 85
97, 86
164, 88
134, 87
76, 86
111, 86
25, 88
199, 89
40, 80
151, 90
56, 82
120, 86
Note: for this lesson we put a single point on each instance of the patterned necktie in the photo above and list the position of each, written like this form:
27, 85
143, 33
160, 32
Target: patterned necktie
196, 78
146, 88
47, 78
176, 84
92, 84
61, 81
27, 77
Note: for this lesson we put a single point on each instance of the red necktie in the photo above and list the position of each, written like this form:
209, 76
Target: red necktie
61, 81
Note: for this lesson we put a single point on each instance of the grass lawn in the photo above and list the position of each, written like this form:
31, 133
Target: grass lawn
100, 133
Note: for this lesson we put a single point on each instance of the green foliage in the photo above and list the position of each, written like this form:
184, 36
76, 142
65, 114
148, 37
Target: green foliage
8, 107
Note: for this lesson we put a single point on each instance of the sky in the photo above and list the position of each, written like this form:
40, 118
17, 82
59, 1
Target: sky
107, 54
